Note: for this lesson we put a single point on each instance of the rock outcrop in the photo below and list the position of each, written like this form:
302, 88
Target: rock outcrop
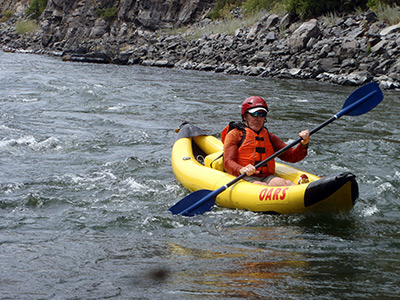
352, 50
17, 7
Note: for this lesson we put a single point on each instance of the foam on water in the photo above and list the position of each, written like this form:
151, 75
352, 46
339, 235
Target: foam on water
30, 142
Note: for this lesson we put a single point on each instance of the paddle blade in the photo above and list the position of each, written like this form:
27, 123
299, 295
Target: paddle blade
362, 100
195, 203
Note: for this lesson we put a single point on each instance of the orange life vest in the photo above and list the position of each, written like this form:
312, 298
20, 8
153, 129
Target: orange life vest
254, 148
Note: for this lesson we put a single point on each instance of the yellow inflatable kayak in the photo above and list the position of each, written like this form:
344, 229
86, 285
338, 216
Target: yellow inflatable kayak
197, 165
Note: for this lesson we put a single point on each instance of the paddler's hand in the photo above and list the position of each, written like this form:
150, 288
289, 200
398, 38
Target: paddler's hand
305, 136
249, 170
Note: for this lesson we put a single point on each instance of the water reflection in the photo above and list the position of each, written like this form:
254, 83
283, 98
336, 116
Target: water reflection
244, 270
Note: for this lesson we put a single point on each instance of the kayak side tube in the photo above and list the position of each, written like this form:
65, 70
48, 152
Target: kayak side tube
327, 187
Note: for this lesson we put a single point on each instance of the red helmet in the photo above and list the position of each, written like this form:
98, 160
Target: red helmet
253, 102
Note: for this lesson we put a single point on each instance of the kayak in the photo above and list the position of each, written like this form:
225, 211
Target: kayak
197, 163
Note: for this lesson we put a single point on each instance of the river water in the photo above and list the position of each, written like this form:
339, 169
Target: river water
86, 183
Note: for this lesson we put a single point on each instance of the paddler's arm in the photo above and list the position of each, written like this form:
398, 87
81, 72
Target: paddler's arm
294, 154
231, 143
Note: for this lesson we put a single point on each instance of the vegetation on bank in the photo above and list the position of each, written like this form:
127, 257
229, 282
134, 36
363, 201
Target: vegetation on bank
387, 14
230, 15
6, 15
26, 26
36, 8
226, 26
22, 26
108, 13
302, 9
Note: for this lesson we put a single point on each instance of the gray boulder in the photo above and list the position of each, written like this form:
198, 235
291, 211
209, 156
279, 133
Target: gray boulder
303, 34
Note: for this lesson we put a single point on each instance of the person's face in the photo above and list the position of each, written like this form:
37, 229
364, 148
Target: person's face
254, 120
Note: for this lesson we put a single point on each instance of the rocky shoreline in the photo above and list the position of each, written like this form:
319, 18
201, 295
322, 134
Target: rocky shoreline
350, 50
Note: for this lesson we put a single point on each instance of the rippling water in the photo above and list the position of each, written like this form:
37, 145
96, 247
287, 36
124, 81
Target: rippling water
86, 183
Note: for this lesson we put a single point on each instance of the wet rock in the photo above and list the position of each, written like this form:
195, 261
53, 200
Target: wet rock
92, 57
357, 78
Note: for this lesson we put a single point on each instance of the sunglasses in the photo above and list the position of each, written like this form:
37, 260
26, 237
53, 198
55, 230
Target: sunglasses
261, 114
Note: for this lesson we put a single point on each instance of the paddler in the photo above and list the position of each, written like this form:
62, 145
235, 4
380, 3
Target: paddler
249, 142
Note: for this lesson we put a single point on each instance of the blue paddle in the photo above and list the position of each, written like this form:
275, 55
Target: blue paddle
359, 102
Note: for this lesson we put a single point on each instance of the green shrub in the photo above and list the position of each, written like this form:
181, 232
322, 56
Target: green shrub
304, 9
314, 8
227, 26
301, 8
24, 26
223, 7
109, 13
387, 14
374, 4
254, 6
7, 15
330, 19
36, 8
